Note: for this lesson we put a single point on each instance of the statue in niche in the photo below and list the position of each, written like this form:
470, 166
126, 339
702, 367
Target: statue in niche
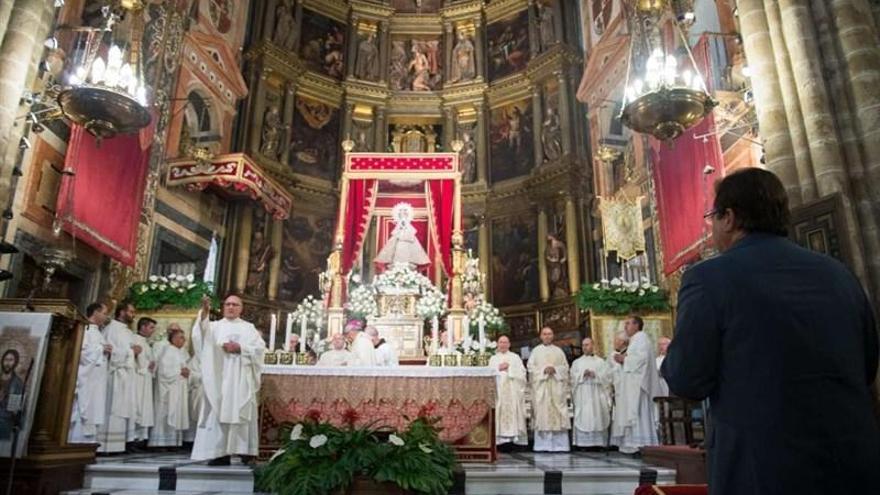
556, 257
551, 136
464, 67
272, 127
468, 155
545, 26
421, 79
399, 69
285, 25
261, 253
361, 136
367, 63
403, 246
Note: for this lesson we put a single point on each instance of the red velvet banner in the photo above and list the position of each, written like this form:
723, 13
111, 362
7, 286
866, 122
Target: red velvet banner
684, 191
361, 196
441, 195
101, 203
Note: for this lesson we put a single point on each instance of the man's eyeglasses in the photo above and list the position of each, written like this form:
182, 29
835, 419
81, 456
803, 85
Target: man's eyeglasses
709, 214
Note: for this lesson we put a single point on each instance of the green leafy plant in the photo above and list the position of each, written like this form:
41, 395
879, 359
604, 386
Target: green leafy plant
319, 458
619, 297
178, 291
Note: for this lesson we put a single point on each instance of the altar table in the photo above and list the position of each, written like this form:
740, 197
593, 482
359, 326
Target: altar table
463, 399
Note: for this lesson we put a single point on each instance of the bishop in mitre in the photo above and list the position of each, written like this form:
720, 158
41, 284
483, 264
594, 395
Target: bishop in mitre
118, 427
510, 408
548, 375
402, 246
338, 355
145, 371
360, 344
639, 384
590, 383
89, 399
172, 392
231, 354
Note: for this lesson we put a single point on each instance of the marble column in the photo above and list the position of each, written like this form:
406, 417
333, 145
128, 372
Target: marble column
538, 126
479, 49
543, 283
353, 41
482, 135
243, 245
571, 243
565, 112
534, 36
260, 73
269, 20
380, 130
289, 103
779, 154
384, 50
275, 264
483, 250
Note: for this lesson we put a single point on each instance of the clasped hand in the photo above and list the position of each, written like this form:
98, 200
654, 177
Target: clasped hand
550, 370
232, 347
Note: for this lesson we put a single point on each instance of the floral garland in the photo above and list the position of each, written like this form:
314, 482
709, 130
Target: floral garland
431, 304
361, 303
181, 291
620, 297
310, 308
400, 275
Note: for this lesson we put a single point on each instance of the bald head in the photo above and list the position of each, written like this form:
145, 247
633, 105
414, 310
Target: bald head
621, 340
337, 342
232, 307
546, 335
587, 346
372, 333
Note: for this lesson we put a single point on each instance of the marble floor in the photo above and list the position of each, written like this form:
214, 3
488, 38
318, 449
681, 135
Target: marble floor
514, 474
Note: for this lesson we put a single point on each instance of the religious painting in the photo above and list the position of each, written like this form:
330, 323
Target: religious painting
556, 256
221, 13
314, 139
523, 328
509, 49
307, 241
551, 124
323, 44
416, 64
511, 143
261, 255
417, 6
22, 356
514, 263
817, 225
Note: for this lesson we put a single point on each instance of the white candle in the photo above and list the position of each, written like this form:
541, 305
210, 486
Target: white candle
465, 326
272, 330
288, 332
482, 324
302, 334
449, 337
435, 334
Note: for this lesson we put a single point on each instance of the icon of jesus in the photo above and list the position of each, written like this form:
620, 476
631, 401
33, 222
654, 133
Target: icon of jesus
403, 246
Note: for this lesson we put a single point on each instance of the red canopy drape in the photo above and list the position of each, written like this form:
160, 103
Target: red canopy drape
361, 197
100, 204
684, 191
441, 194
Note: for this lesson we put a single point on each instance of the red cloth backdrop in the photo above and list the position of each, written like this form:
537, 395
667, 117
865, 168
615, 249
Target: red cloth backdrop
684, 192
441, 194
361, 197
101, 203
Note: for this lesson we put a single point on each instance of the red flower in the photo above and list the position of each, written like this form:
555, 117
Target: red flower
350, 417
427, 410
314, 415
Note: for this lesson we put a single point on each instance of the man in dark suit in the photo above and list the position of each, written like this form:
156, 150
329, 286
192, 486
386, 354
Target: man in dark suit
782, 341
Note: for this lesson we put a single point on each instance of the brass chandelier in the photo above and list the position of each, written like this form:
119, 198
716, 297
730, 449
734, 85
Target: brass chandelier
663, 97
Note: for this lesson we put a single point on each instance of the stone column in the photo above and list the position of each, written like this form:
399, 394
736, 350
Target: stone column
269, 20
543, 283
449, 131
275, 264
379, 134
571, 243
534, 37
243, 245
298, 20
788, 90
28, 26
558, 25
481, 134
346, 122
289, 103
479, 49
538, 126
260, 73
352, 46
483, 250
448, 42
384, 49
5, 13
779, 154
564, 112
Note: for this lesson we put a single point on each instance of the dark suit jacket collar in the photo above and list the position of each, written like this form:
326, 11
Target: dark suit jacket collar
752, 239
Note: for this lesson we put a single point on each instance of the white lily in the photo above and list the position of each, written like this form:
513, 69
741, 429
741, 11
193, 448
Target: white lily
317, 441
276, 454
396, 440
190, 278
424, 448
153, 278
296, 432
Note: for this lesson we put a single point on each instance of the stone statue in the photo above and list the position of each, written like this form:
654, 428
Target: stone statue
545, 26
403, 247
468, 155
367, 62
421, 79
398, 65
361, 137
556, 257
272, 127
464, 67
261, 253
285, 25
551, 136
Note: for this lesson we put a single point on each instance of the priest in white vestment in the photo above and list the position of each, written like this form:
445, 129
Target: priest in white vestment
510, 405
662, 346
621, 340
89, 400
338, 355
361, 346
118, 427
172, 392
639, 384
196, 397
386, 353
145, 372
548, 375
231, 353
591, 396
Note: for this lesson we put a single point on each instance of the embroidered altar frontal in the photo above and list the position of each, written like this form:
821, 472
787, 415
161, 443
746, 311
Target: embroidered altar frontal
463, 399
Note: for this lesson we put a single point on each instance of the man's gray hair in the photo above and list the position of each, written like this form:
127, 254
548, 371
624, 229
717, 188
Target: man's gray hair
371, 331
622, 336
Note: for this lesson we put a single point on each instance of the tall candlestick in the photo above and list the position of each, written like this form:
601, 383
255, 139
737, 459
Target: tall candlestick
302, 334
449, 337
465, 326
288, 332
482, 325
272, 329
435, 334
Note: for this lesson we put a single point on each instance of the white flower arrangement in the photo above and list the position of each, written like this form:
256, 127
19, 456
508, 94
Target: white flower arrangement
402, 276
488, 314
362, 302
182, 291
472, 279
432, 303
310, 308
641, 286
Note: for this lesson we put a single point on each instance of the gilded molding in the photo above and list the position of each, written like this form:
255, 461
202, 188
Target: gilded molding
500, 9
371, 10
336, 9
510, 89
463, 11
366, 92
321, 88
417, 25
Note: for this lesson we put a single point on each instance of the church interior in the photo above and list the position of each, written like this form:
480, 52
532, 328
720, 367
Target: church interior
447, 173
